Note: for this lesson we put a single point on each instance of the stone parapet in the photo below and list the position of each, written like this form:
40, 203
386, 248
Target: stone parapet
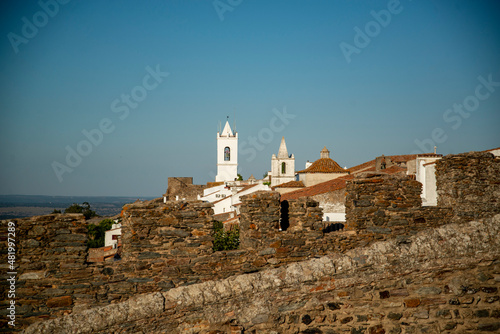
469, 183
444, 279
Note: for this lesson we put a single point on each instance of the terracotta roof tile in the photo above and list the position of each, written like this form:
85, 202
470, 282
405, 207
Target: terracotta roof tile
362, 167
324, 165
332, 185
319, 188
291, 184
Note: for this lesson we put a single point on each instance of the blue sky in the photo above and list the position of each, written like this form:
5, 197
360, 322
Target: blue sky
251, 60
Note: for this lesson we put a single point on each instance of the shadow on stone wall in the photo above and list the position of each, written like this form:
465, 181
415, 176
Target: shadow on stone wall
169, 245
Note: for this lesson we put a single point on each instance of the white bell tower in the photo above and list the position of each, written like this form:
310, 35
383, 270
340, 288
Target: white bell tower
282, 166
227, 154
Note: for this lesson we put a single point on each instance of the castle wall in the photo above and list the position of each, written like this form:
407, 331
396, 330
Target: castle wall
52, 274
167, 248
469, 183
441, 280
183, 188
387, 205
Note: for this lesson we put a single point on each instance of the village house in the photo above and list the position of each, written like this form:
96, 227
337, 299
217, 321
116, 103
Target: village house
322, 170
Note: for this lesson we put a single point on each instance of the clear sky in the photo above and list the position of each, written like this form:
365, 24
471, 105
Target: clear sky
139, 87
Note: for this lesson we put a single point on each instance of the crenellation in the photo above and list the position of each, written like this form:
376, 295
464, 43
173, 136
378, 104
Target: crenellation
331, 293
396, 265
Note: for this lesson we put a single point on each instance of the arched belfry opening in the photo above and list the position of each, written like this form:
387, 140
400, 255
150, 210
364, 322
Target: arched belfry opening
227, 154
284, 221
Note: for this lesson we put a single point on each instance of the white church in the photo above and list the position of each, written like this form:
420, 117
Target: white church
282, 166
227, 190
227, 155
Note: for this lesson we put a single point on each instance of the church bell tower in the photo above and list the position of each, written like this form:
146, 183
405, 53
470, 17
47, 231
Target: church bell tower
227, 154
282, 166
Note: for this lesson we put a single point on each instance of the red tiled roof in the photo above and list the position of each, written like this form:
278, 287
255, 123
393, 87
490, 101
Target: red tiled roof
493, 149
231, 219
319, 188
290, 184
402, 158
394, 158
332, 185
393, 170
364, 166
214, 184
324, 165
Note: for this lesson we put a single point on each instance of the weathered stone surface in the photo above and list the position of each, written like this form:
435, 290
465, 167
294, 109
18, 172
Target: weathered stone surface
168, 246
256, 301
59, 301
469, 183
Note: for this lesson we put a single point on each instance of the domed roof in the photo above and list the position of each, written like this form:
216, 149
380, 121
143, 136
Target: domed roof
324, 165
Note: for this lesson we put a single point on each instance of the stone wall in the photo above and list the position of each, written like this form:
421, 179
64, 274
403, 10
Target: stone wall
50, 265
389, 205
469, 183
165, 245
265, 221
168, 246
184, 188
441, 280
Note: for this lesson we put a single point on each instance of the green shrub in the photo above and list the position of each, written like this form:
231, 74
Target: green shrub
97, 233
225, 240
84, 208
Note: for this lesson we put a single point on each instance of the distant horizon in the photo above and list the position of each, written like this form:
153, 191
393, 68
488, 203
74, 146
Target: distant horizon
83, 196
244, 178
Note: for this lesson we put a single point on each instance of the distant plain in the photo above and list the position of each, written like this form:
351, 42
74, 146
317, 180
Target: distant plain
20, 206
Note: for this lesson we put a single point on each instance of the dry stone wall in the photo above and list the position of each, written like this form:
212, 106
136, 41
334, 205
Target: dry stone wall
469, 183
388, 205
50, 265
167, 249
165, 245
442, 280
182, 188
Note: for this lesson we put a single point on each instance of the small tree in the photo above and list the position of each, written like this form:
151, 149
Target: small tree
97, 233
240, 178
84, 209
225, 240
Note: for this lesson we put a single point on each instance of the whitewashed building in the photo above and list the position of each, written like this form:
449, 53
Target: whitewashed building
227, 154
425, 166
226, 195
111, 236
282, 166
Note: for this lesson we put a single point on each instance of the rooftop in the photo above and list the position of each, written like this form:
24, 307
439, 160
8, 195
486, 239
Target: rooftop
332, 185
291, 184
324, 165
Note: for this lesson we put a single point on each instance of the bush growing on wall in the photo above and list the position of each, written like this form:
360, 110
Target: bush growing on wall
225, 240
